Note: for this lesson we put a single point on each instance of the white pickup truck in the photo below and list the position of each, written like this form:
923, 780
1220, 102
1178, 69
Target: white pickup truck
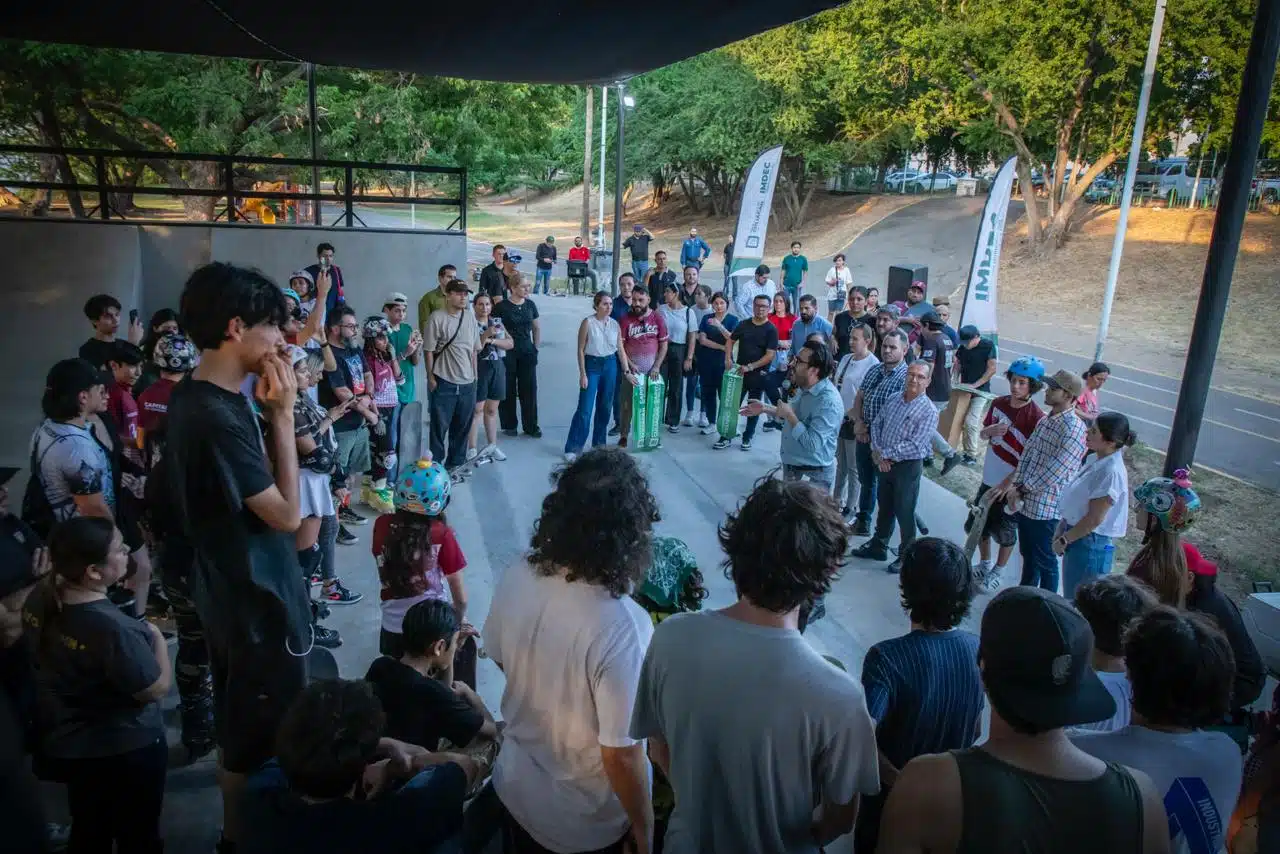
1172, 180
1267, 188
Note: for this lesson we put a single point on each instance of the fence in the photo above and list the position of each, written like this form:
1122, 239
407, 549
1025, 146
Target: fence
172, 186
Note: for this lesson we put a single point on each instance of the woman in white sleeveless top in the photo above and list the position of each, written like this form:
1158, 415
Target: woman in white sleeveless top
597, 376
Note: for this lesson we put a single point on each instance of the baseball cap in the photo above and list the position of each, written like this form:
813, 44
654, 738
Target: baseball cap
513, 257
637, 227
396, 298
72, 376
891, 310
930, 316
551, 238
918, 285
1067, 381
969, 332
456, 286
1036, 652
1197, 564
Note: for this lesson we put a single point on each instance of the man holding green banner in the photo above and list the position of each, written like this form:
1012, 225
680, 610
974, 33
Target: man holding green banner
644, 347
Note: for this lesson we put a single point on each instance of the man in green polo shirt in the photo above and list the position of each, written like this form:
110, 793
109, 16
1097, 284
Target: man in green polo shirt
794, 268
406, 343
433, 299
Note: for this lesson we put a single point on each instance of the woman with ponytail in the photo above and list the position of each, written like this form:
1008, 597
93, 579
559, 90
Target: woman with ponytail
1095, 505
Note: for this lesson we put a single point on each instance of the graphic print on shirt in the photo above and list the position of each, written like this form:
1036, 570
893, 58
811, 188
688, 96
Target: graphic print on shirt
1195, 825
355, 367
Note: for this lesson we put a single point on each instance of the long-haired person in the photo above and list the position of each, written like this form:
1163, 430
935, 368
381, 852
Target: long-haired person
101, 675
597, 376
1094, 378
491, 380
519, 315
571, 642
713, 341
1095, 504
380, 362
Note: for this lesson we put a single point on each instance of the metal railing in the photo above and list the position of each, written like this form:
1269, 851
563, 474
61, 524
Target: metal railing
232, 184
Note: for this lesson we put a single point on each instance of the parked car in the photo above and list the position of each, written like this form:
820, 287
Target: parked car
1172, 180
1101, 189
894, 180
936, 182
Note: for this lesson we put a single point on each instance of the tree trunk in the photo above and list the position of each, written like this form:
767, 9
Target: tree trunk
122, 202
584, 226
1034, 231
1060, 225
804, 205
686, 187
51, 130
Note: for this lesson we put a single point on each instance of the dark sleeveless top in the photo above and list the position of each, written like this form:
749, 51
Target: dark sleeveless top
1008, 810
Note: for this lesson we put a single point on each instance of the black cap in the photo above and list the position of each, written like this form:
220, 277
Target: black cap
931, 317
968, 332
72, 376
1036, 652
6, 474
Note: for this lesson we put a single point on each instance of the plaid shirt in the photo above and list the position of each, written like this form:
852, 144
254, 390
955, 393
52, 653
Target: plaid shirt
903, 430
1049, 461
878, 386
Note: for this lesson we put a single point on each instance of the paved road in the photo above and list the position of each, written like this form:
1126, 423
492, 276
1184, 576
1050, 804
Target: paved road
1240, 435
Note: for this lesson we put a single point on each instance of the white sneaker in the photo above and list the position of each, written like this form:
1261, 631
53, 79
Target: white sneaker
495, 453
707, 429
570, 456
991, 583
702, 421
472, 453
688, 420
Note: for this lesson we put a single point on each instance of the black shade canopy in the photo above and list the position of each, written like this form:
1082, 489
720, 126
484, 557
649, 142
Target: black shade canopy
556, 41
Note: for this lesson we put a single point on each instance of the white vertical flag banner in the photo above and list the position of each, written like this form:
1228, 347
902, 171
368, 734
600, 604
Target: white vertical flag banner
753, 215
980, 295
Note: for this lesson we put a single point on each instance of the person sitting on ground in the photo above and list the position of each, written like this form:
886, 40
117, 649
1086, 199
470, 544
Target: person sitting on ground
820, 748
1180, 669
571, 642
923, 688
100, 676
1111, 603
103, 312
1028, 788
423, 705
338, 785
418, 556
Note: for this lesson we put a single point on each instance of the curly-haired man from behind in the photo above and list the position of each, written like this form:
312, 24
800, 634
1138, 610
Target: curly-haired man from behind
756, 728
923, 688
571, 641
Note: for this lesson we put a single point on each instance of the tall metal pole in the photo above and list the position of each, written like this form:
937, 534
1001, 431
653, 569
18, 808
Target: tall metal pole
585, 227
315, 145
604, 124
1130, 172
617, 187
1233, 203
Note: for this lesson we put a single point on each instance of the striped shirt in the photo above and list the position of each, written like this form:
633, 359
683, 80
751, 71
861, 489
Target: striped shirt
903, 429
924, 693
878, 386
1049, 462
1004, 451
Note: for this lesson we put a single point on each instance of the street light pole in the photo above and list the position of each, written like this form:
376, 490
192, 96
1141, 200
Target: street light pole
315, 146
1233, 203
617, 187
1130, 172
604, 124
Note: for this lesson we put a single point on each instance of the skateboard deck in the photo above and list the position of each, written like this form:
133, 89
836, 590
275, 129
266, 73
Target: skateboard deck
977, 523
730, 403
409, 448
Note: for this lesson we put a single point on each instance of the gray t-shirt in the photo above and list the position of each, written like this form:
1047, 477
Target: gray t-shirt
760, 727
71, 463
454, 339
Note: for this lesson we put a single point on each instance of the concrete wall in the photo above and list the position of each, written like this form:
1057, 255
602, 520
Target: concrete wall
53, 266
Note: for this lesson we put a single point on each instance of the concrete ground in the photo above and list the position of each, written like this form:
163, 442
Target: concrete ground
493, 514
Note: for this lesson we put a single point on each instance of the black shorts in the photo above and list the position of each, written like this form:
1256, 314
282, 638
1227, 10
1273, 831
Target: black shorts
491, 380
1000, 526
253, 686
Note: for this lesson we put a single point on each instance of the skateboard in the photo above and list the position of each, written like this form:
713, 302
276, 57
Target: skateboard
648, 402
730, 403
977, 523
409, 448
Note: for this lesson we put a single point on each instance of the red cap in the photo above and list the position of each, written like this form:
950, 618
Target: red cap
1197, 563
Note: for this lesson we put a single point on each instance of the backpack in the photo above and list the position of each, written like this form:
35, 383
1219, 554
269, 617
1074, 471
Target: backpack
36, 509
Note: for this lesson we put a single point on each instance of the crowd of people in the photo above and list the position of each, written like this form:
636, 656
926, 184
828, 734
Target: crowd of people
203, 468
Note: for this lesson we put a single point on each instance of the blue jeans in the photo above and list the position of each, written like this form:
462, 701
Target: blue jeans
867, 480
542, 277
594, 403
1084, 560
639, 269
691, 396
1035, 544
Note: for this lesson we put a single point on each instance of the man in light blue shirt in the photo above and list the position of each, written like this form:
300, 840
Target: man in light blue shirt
812, 423
810, 322
694, 250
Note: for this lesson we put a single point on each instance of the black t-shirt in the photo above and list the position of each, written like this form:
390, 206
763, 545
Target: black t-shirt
518, 319
754, 340
97, 352
493, 283
349, 375
973, 362
90, 661
844, 321
639, 246
414, 819
421, 710
244, 579
657, 284
935, 348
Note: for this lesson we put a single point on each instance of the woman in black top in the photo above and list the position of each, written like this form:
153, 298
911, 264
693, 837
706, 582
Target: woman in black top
519, 315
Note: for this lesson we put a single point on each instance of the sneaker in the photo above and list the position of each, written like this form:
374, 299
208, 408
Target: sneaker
991, 583
689, 420
570, 456
721, 444
327, 638
336, 593
770, 425
614, 431
472, 453
622, 442
895, 566
512, 432
315, 580
862, 526
381, 500
345, 537
347, 516
949, 463
746, 444
968, 460
496, 454
927, 462
707, 429
535, 433
702, 420
870, 550
673, 428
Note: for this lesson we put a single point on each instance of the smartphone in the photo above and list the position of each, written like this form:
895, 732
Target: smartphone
133, 316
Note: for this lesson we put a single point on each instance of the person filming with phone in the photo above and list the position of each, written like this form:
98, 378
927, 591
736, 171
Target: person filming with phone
338, 292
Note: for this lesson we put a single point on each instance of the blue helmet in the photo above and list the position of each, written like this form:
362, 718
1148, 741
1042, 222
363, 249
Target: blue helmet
1029, 367
423, 488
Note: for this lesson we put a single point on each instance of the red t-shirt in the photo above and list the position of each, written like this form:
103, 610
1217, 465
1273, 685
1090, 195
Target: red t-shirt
124, 409
1004, 451
783, 325
153, 404
444, 559
579, 253
641, 337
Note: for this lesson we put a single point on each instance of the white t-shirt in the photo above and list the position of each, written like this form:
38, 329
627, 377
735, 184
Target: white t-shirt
838, 282
1099, 478
849, 374
1197, 774
1117, 685
572, 656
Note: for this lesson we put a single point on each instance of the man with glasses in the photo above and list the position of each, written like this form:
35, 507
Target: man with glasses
352, 429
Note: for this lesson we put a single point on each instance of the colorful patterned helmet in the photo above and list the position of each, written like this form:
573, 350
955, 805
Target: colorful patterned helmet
1029, 367
423, 488
1171, 501
375, 326
175, 353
